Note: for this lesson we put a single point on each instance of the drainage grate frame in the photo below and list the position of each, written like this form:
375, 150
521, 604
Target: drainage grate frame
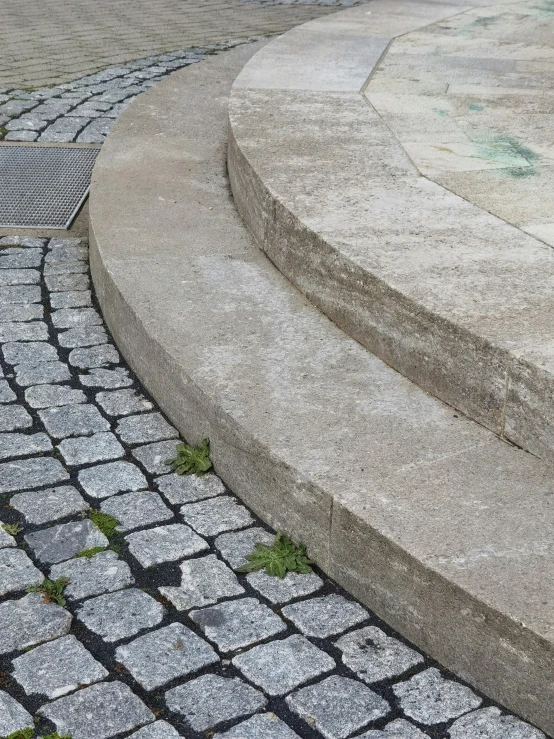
43, 186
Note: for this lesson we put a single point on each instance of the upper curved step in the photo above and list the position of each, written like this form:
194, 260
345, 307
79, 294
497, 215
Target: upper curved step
395, 161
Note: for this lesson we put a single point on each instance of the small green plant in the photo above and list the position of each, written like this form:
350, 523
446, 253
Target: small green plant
104, 522
21, 734
89, 553
12, 528
55, 735
3, 131
52, 590
279, 558
191, 459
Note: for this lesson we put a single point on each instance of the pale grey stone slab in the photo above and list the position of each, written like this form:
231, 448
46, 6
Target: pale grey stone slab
105, 378
210, 700
20, 445
20, 294
338, 706
71, 299
43, 506
20, 258
26, 241
204, 581
118, 615
277, 590
19, 277
374, 656
13, 716
325, 616
6, 540
66, 253
236, 624
102, 573
17, 572
22, 136
266, 725
65, 268
73, 420
86, 449
179, 489
96, 131
64, 541
7, 395
22, 311
29, 621
137, 509
16, 331
94, 357
30, 473
47, 396
82, 337
145, 427
63, 283
154, 456
14, 417
62, 130
41, 373
64, 242
57, 667
489, 723
237, 545
98, 712
122, 402
429, 698
31, 352
399, 729
281, 666
104, 480
163, 655
164, 544
216, 515
157, 730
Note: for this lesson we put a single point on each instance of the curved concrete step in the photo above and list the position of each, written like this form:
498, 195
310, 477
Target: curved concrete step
414, 510
402, 179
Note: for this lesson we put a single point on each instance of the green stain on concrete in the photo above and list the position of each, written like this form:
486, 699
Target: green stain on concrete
519, 173
476, 107
439, 111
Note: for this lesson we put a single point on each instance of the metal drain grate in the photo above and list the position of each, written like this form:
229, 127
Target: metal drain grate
43, 186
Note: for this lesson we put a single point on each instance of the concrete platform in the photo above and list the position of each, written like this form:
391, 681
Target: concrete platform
441, 527
395, 163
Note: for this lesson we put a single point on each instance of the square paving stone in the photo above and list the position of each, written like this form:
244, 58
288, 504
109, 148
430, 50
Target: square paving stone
237, 545
41, 374
136, 509
20, 445
281, 666
238, 623
179, 489
203, 581
293, 585
13, 716
106, 378
30, 473
98, 712
265, 725
104, 480
46, 396
215, 515
6, 540
401, 729
489, 723
17, 572
71, 299
14, 417
145, 427
164, 544
154, 456
20, 294
81, 337
62, 283
374, 656
65, 268
210, 700
338, 706
31, 352
29, 621
16, 331
102, 573
73, 317
429, 698
56, 668
22, 312
163, 655
64, 541
7, 395
122, 402
157, 730
19, 277
116, 616
326, 616
93, 357
87, 449
21, 258
73, 420
67, 254
43, 506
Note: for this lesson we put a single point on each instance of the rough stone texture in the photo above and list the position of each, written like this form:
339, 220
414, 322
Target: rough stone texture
180, 489
164, 544
96, 448
20, 445
57, 668
326, 616
430, 699
216, 515
134, 510
338, 706
73, 317
6, 393
82, 337
14, 417
154, 456
293, 585
30, 473
42, 506
41, 373
94, 357
12, 715
20, 294
73, 420
203, 581
102, 573
59, 543
210, 700
31, 352
488, 723
398, 729
143, 428
105, 480
161, 656
237, 545
266, 725
46, 396
236, 624
98, 712
6, 540
17, 572
374, 656
116, 616
71, 299
29, 621
281, 666
106, 378
122, 402
157, 730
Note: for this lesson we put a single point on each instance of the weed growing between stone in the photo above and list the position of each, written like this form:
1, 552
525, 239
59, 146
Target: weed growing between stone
103, 522
191, 459
12, 528
52, 590
89, 553
30, 733
279, 558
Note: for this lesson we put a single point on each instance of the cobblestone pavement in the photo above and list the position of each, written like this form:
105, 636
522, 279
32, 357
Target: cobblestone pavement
160, 636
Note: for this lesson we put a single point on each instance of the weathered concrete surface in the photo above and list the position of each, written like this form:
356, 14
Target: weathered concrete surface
417, 214
417, 511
